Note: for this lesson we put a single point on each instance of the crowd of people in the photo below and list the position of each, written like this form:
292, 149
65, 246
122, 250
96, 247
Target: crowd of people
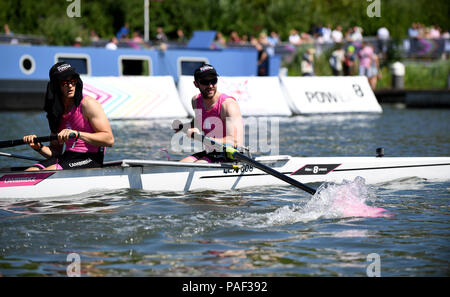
351, 55
135, 39
418, 30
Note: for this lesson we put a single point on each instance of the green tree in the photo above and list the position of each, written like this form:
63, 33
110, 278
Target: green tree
106, 17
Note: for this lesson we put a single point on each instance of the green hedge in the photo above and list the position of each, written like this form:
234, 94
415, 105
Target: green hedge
420, 75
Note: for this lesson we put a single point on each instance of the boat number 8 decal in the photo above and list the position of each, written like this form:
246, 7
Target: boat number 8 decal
357, 90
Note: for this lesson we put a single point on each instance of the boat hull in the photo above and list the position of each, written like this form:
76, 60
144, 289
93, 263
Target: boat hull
169, 176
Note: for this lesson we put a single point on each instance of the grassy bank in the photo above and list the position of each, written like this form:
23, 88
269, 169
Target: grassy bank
419, 75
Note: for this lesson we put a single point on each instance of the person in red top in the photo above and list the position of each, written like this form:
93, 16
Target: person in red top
217, 115
69, 112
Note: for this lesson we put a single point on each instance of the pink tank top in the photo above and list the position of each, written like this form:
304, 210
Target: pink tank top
212, 124
74, 120
365, 56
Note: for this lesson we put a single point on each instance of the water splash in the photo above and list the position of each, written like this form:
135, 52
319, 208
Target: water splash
331, 201
347, 199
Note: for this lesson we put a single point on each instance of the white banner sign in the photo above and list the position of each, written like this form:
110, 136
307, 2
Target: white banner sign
257, 96
136, 97
330, 94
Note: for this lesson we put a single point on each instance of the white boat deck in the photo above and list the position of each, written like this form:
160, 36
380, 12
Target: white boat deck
155, 175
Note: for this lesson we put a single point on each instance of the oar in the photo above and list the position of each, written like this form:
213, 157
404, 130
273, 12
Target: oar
16, 142
234, 154
19, 157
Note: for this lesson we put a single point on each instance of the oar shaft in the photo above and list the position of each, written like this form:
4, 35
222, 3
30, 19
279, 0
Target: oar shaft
243, 158
232, 153
19, 156
16, 142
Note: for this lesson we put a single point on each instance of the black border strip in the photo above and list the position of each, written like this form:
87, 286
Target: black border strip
390, 167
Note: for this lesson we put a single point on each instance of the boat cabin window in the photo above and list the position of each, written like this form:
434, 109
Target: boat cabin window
80, 63
27, 64
135, 66
187, 66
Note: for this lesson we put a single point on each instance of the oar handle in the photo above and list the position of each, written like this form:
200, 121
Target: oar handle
234, 154
177, 125
16, 142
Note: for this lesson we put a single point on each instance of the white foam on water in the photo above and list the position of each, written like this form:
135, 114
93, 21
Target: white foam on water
330, 201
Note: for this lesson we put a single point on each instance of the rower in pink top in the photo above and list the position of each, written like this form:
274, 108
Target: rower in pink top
69, 113
74, 120
217, 116
209, 119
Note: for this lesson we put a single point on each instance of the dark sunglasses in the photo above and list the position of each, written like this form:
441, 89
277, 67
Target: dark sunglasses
72, 81
207, 82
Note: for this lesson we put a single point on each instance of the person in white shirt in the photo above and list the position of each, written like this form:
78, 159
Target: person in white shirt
294, 38
337, 35
112, 44
383, 40
326, 32
383, 33
357, 34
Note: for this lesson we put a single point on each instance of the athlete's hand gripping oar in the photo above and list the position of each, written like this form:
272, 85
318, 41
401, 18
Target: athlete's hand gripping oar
16, 142
234, 154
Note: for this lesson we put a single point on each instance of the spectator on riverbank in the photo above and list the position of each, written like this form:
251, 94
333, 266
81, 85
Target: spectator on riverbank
263, 57
273, 38
112, 44
307, 64
122, 34
294, 38
326, 34
354, 34
365, 59
375, 71
93, 36
336, 60
219, 42
137, 38
160, 35
435, 32
180, 36
78, 41
264, 41
369, 64
234, 38
413, 31
306, 37
349, 61
446, 35
383, 40
7, 30
336, 34
137, 42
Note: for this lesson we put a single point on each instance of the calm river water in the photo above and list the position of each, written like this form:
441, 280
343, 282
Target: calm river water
251, 232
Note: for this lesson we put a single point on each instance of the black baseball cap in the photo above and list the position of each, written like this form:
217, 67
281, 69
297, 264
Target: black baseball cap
205, 71
62, 71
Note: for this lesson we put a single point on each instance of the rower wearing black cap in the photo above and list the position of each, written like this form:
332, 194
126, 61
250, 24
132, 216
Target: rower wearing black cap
71, 113
217, 115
